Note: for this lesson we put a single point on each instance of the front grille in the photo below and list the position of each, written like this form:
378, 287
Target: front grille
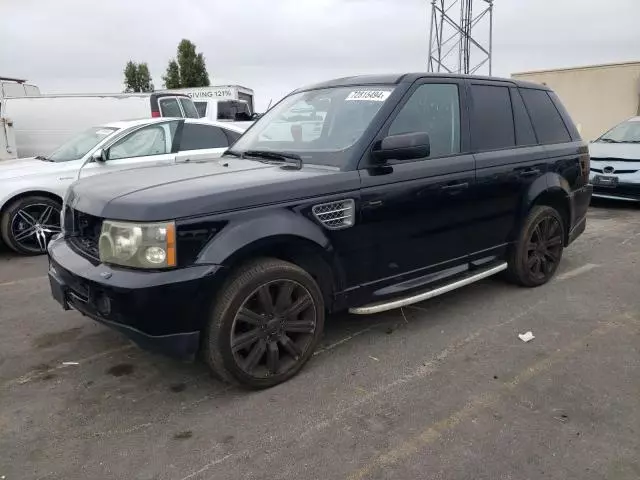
614, 172
86, 246
83, 232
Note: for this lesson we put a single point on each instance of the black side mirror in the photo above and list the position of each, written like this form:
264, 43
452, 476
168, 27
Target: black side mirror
406, 146
99, 155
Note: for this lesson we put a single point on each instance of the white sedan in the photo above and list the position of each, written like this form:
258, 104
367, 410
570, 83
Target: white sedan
31, 190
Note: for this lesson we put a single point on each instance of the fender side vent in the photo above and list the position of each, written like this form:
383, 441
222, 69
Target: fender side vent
336, 215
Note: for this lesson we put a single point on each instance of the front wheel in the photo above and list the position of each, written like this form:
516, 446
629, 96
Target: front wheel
266, 322
28, 224
536, 255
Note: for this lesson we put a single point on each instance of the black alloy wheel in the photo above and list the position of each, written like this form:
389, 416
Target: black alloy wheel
273, 328
536, 255
544, 248
267, 320
28, 224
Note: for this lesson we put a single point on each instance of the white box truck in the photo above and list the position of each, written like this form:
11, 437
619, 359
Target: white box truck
221, 102
45, 122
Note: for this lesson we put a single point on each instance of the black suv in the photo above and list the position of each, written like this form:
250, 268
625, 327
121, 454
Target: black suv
362, 194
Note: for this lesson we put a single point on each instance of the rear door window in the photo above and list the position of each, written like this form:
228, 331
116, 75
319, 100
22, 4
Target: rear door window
492, 126
169, 107
547, 122
197, 137
189, 108
524, 130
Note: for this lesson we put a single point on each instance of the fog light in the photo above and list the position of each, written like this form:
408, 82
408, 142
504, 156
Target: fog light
155, 255
103, 304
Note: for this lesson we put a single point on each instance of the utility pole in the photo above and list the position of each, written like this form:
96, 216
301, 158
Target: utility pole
461, 43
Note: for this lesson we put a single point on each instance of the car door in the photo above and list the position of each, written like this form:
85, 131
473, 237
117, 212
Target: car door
419, 209
152, 144
508, 160
201, 140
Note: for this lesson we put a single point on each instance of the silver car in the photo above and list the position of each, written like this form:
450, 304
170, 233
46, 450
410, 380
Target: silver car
615, 162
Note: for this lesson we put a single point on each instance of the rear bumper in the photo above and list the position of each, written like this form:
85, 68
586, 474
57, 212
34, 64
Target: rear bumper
580, 200
160, 311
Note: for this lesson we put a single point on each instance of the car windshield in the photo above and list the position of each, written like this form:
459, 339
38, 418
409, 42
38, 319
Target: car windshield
79, 146
317, 125
626, 132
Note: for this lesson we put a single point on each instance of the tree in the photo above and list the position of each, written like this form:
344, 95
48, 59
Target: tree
172, 77
188, 69
144, 78
137, 78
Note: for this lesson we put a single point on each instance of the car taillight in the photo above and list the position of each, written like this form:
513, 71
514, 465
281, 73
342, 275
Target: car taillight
155, 113
585, 164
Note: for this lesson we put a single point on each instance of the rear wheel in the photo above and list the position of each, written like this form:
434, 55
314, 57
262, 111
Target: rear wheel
28, 224
536, 255
265, 324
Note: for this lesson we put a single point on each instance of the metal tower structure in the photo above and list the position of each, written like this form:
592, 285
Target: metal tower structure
460, 44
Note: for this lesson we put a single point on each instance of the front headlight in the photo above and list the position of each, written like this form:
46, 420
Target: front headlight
138, 245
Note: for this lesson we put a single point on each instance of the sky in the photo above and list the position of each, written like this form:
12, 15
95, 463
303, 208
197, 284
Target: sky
275, 46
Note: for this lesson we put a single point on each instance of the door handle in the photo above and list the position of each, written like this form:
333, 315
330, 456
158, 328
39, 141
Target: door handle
529, 172
455, 186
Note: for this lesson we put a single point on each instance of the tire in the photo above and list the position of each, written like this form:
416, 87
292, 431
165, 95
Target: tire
37, 214
535, 257
265, 324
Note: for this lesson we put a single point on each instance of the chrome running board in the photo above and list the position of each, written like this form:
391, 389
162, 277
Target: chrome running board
403, 302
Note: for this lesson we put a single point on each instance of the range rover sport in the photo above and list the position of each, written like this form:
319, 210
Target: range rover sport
363, 194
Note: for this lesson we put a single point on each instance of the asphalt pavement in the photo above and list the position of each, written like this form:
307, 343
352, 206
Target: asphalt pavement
441, 390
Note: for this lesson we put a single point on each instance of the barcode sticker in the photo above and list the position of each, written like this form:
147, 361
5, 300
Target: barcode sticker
369, 95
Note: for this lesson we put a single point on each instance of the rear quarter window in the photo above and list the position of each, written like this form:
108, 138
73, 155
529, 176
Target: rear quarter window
546, 119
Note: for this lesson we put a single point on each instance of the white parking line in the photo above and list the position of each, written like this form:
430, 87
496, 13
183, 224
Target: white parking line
344, 340
23, 280
577, 271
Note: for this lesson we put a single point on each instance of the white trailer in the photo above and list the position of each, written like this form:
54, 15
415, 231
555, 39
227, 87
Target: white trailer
11, 87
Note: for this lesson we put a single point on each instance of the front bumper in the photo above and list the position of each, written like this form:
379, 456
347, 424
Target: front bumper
162, 311
622, 191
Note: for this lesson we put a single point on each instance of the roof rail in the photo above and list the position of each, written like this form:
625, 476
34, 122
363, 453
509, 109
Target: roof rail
18, 80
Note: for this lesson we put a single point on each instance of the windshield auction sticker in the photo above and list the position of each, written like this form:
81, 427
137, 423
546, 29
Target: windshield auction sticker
369, 95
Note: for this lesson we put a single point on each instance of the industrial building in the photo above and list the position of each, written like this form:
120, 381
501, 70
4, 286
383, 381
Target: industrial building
597, 96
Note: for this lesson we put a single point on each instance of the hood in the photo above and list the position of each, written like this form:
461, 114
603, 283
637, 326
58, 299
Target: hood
614, 151
181, 190
25, 167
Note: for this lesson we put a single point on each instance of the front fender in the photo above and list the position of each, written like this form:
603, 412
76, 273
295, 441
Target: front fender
245, 231
9, 194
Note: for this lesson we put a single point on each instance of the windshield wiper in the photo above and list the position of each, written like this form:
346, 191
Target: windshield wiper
44, 159
608, 140
278, 156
